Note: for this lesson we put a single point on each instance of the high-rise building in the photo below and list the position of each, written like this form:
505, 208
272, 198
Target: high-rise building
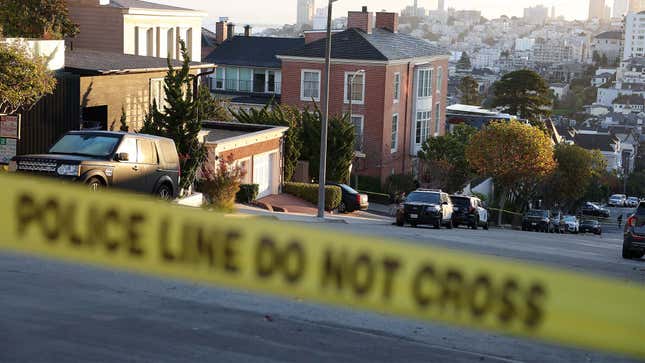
596, 9
620, 8
634, 39
441, 5
553, 12
536, 14
636, 6
305, 12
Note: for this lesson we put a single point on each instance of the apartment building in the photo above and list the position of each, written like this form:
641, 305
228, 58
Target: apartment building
136, 27
607, 44
634, 36
397, 85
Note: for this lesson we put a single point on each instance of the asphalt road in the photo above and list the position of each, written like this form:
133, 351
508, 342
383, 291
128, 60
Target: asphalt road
56, 312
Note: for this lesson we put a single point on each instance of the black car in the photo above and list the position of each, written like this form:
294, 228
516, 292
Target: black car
351, 199
593, 209
469, 211
591, 226
100, 159
537, 220
430, 207
634, 237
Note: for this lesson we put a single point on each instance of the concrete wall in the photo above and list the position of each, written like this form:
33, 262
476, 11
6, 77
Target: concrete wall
158, 36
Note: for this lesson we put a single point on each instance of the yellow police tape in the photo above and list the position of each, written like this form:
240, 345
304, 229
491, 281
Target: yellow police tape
118, 230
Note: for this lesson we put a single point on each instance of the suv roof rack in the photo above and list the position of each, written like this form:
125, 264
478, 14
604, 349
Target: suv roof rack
429, 190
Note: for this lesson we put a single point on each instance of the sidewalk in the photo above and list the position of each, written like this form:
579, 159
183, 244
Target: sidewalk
363, 218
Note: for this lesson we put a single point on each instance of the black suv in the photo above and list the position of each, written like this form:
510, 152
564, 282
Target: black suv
537, 220
137, 162
634, 237
431, 207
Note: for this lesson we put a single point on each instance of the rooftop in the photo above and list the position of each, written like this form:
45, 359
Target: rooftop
216, 132
380, 45
602, 142
610, 35
94, 62
139, 4
253, 51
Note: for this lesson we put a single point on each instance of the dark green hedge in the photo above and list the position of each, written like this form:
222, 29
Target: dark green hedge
248, 193
309, 192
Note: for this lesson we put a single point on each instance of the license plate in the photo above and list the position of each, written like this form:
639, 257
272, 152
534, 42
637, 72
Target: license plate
533, 223
414, 216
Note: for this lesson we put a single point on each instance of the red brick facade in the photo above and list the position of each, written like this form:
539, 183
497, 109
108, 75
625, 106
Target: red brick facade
378, 107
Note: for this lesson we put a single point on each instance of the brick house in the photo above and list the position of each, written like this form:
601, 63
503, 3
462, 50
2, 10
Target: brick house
397, 103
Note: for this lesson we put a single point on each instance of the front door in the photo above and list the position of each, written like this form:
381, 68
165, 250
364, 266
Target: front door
128, 174
262, 174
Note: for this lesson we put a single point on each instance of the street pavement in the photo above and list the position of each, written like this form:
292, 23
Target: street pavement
58, 312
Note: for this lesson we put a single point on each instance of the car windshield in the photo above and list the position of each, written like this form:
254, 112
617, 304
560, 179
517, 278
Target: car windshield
569, 218
536, 213
347, 188
85, 144
423, 197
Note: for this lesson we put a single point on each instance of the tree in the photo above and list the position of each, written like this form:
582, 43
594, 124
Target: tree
576, 168
279, 115
178, 119
212, 108
636, 184
123, 121
595, 57
340, 145
464, 62
523, 93
469, 89
445, 159
603, 60
23, 80
47, 19
517, 156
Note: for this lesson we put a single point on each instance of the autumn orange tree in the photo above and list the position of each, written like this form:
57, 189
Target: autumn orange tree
517, 156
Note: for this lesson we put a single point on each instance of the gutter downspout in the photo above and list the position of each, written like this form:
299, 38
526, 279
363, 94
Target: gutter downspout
405, 120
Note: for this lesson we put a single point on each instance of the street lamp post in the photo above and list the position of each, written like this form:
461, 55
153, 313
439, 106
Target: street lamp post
351, 94
322, 177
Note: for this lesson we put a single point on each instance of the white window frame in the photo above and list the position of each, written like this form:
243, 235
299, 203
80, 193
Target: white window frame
161, 104
302, 84
424, 85
397, 87
437, 113
248, 177
362, 140
394, 134
425, 126
223, 79
439, 84
348, 76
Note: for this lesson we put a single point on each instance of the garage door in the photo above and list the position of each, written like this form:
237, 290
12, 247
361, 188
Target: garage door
262, 174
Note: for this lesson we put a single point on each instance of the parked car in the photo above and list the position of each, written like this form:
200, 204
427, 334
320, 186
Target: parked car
103, 159
431, 207
351, 200
570, 224
634, 237
468, 211
593, 209
537, 220
590, 225
633, 201
617, 200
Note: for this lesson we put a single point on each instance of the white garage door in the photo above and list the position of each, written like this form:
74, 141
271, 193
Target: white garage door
262, 174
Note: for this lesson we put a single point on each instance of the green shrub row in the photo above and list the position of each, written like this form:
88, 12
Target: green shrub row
248, 193
309, 192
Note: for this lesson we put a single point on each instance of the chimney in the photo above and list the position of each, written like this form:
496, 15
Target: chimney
313, 35
221, 33
388, 21
247, 30
362, 20
230, 30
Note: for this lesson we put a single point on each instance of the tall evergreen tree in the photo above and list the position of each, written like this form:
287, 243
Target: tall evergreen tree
178, 119
523, 93
469, 89
464, 62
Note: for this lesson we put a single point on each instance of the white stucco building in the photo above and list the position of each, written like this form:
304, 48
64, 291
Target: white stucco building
136, 27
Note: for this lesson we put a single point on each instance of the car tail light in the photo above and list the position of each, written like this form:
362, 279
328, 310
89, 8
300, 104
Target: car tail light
631, 221
471, 209
358, 199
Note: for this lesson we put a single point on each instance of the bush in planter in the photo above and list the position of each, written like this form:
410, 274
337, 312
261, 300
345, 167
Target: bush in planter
398, 184
309, 192
248, 193
220, 185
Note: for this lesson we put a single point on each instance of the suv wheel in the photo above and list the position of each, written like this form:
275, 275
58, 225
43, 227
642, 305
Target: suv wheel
627, 253
475, 224
449, 224
164, 192
342, 208
95, 184
400, 221
486, 226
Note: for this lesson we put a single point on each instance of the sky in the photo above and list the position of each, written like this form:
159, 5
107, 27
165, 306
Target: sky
274, 12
